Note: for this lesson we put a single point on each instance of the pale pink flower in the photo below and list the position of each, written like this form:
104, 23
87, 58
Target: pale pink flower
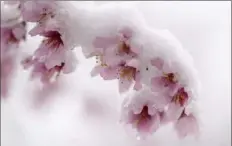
142, 112
12, 35
35, 11
40, 71
127, 75
117, 60
51, 50
186, 125
176, 105
116, 49
167, 78
53, 55
48, 75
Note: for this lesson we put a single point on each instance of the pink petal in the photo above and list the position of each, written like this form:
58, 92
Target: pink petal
126, 32
111, 58
144, 126
55, 58
19, 32
157, 62
133, 63
41, 51
109, 73
156, 123
156, 84
33, 11
27, 62
136, 50
187, 125
138, 84
104, 42
174, 112
38, 29
160, 101
46, 76
124, 85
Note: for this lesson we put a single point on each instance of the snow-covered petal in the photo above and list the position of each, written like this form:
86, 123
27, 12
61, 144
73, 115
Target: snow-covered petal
187, 125
109, 73
173, 112
55, 57
138, 85
124, 85
158, 63
104, 42
35, 11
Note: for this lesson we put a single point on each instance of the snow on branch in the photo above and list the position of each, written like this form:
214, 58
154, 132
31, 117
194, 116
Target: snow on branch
55, 53
150, 62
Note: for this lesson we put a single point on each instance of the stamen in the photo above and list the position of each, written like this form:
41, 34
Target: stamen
180, 97
128, 72
124, 48
143, 115
170, 77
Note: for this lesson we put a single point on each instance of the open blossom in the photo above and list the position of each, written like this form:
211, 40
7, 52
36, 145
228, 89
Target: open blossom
116, 49
54, 55
12, 35
46, 74
35, 11
142, 111
51, 50
117, 60
186, 125
177, 104
126, 74
167, 78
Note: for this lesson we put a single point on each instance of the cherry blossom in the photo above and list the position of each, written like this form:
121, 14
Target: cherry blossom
116, 59
35, 11
177, 104
12, 35
143, 112
186, 125
48, 75
54, 54
135, 56
167, 78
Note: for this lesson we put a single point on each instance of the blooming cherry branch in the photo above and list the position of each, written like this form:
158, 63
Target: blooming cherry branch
152, 62
55, 54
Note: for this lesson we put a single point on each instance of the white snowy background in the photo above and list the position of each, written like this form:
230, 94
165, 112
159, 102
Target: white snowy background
66, 119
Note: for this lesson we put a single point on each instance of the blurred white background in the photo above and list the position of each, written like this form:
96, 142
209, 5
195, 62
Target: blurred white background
204, 28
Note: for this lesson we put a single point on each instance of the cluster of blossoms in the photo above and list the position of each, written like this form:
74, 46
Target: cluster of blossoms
54, 55
13, 31
161, 76
161, 100
116, 59
161, 81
